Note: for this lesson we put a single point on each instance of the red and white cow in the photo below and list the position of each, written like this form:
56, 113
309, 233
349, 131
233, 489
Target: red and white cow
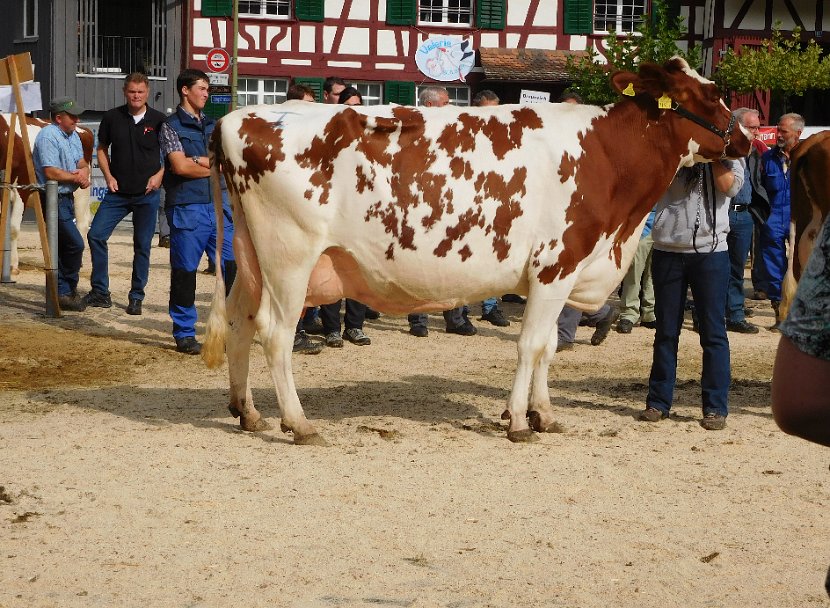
809, 207
409, 209
19, 198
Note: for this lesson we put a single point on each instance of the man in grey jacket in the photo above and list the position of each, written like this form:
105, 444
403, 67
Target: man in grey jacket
690, 250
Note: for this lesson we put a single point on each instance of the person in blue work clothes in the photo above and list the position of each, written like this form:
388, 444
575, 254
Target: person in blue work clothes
58, 155
184, 138
772, 236
128, 155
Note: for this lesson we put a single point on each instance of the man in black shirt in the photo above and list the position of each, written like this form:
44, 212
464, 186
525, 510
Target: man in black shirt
128, 155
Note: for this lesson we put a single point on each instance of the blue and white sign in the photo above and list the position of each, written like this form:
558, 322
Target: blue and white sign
445, 59
220, 99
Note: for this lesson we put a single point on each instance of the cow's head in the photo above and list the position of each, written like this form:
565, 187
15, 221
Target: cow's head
692, 102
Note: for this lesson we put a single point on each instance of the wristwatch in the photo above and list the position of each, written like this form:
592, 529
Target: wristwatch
195, 159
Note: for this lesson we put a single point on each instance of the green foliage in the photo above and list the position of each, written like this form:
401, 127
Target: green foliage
782, 64
657, 42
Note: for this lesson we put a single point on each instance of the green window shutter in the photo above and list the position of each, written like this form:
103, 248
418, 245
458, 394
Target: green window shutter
579, 16
491, 14
217, 8
397, 91
401, 12
309, 10
216, 110
315, 84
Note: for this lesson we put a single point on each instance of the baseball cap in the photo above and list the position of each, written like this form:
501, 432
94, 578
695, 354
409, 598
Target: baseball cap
65, 104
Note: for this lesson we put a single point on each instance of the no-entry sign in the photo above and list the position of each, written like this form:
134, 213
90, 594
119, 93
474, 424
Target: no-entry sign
218, 60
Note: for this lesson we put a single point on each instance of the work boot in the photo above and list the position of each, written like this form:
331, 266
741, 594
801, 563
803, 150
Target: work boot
776, 305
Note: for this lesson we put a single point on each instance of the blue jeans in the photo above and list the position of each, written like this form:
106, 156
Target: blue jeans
489, 305
113, 209
70, 246
192, 233
739, 240
707, 275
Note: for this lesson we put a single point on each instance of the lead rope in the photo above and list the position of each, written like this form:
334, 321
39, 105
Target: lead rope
703, 195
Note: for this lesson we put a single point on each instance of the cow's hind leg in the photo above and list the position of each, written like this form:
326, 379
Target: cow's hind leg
539, 412
534, 342
241, 329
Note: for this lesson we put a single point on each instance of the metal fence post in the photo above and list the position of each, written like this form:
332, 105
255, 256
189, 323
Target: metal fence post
51, 217
6, 272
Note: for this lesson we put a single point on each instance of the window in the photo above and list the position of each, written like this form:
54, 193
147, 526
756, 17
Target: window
116, 37
253, 91
30, 18
622, 16
445, 12
459, 95
372, 92
265, 8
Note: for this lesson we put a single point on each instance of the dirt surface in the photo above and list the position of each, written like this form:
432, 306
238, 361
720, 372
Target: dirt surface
125, 482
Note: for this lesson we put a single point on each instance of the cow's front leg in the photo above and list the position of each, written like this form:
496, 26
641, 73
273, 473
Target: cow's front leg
538, 325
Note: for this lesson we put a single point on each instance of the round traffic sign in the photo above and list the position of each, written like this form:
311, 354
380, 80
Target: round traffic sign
218, 60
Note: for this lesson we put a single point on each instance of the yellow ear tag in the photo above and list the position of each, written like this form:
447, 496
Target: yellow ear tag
664, 103
629, 90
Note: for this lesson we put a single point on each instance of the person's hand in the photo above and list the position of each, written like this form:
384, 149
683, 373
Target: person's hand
154, 183
112, 184
81, 177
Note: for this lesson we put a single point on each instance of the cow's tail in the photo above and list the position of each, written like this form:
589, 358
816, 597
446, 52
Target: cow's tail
213, 350
789, 284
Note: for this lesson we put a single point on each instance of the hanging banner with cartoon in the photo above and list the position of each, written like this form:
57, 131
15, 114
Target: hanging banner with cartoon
445, 59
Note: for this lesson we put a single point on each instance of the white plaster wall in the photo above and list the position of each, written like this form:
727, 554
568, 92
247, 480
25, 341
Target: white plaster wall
283, 45
355, 41
306, 34
202, 35
541, 41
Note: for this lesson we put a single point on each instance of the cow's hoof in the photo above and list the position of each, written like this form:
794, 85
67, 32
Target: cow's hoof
523, 436
234, 411
256, 426
312, 439
535, 421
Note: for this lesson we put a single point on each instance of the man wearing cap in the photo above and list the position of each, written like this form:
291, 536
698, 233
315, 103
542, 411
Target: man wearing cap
58, 155
128, 154
184, 140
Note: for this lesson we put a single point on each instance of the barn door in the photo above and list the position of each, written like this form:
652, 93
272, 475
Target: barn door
758, 99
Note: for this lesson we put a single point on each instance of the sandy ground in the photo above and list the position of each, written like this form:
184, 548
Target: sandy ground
125, 481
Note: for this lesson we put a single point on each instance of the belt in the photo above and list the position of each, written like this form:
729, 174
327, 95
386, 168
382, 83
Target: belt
738, 207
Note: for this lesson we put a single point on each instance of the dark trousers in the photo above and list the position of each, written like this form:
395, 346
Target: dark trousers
569, 320
739, 241
70, 246
707, 275
353, 319
455, 317
113, 209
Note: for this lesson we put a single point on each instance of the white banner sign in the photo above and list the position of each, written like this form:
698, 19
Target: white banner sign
534, 97
29, 91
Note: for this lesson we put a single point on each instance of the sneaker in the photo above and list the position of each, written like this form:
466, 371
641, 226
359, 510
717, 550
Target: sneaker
372, 314
164, 241
314, 327
649, 324
419, 331
742, 327
72, 302
134, 307
652, 414
98, 299
512, 297
759, 294
495, 317
356, 336
465, 329
713, 422
749, 312
604, 326
211, 268
304, 345
188, 345
564, 346
624, 326
333, 340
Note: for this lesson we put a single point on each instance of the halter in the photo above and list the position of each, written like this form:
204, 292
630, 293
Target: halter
726, 136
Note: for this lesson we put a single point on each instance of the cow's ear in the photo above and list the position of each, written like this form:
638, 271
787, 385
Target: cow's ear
626, 83
654, 79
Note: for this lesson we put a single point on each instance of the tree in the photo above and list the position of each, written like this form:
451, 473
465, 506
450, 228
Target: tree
782, 64
657, 42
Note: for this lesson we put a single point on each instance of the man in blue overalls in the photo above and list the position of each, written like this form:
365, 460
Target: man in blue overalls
58, 155
772, 236
184, 141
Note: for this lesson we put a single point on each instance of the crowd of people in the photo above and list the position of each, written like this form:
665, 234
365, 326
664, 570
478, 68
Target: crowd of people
697, 238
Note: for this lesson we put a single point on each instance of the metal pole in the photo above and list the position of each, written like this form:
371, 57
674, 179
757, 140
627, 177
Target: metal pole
52, 237
234, 71
6, 273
